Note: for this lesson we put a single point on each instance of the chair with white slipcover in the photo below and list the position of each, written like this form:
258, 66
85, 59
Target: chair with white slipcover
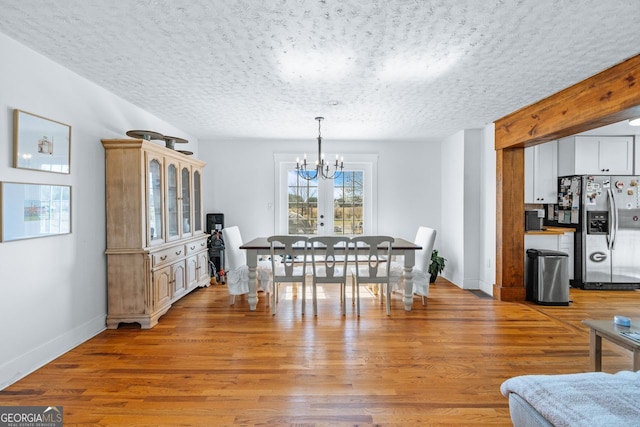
288, 263
425, 237
374, 266
329, 256
237, 269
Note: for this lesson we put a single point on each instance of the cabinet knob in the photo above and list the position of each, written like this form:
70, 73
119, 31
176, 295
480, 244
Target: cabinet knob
163, 257
179, 252
193, 247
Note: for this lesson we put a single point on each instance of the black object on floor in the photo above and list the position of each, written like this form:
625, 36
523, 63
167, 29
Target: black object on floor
480, 294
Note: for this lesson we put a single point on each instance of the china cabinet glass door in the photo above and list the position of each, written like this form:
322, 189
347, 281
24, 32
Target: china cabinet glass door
186, 201
197, 203
172, 201
154, 194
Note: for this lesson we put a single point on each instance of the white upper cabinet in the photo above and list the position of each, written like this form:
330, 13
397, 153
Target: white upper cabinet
595, 155
541, 173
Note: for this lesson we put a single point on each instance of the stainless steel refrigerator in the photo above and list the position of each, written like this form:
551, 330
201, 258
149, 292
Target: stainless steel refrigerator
607, 210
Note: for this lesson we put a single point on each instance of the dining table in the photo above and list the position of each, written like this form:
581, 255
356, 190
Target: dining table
261, 246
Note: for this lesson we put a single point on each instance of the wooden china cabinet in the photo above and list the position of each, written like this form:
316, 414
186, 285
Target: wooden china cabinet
156, 243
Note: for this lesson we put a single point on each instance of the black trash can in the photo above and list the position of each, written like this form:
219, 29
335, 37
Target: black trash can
547, 280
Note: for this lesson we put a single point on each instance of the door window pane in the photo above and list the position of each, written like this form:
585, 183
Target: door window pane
302, 204
348, 198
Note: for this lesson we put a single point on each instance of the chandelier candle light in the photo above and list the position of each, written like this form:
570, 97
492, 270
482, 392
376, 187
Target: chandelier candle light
321, 168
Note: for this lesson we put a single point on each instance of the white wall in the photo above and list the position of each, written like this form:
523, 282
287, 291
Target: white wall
466, 189
240, 176
487, 259
53, 289
451, 245
472, 207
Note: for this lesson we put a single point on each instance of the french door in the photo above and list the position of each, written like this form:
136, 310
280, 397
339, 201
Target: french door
344, 205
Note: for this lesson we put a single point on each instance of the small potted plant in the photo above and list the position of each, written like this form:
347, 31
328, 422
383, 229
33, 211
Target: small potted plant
436, 266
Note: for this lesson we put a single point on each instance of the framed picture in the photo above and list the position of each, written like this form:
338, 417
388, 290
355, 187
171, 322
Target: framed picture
34, 210
40, 143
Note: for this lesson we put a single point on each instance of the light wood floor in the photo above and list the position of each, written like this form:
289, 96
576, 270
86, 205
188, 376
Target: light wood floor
210, 364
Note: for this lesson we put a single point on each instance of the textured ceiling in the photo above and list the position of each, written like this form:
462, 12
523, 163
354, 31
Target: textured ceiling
396, 69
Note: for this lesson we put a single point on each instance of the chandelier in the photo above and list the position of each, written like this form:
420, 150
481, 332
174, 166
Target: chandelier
321, 169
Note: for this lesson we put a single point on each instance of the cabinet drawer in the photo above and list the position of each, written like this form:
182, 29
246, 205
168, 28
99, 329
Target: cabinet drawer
196, 246
168, 255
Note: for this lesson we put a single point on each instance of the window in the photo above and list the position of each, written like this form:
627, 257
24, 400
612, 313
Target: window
344, 205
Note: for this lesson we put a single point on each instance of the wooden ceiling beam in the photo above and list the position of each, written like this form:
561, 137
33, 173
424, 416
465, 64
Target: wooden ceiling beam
608, 97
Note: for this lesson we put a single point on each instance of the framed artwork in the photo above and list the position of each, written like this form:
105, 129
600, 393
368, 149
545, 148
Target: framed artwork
34, 210
40, 143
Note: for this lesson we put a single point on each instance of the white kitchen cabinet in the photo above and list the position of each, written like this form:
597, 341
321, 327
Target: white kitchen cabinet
541, 173
595, 155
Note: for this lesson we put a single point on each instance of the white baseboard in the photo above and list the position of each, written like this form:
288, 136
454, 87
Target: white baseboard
471, 284
487, 288
21, 366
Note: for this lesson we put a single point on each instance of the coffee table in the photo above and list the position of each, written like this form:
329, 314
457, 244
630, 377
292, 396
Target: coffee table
611, 332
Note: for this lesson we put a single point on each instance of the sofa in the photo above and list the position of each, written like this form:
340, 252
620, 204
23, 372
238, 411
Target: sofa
591, 399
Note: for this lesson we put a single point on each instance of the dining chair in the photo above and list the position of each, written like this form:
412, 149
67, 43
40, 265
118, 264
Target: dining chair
329, 256
374, 266
289, 264
425, 237
237, 269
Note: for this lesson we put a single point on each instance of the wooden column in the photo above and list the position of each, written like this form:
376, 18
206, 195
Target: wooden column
510, 225
608, 97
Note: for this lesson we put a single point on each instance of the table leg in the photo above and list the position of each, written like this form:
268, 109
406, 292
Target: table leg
636, 359
252, 263
409, 261
595, 351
